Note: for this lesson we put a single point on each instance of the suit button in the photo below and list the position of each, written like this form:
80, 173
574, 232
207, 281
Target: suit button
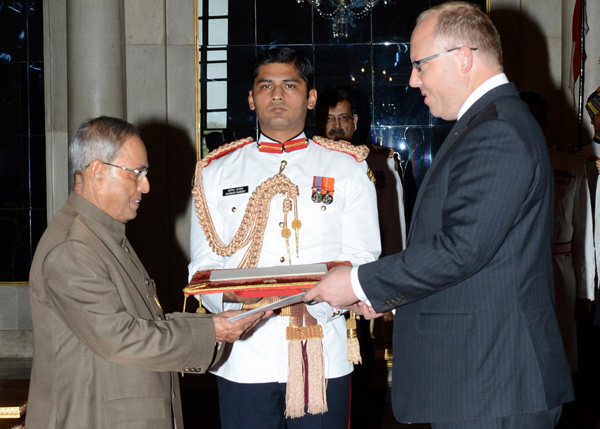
126, 249
146, 282
335, 313
282, 259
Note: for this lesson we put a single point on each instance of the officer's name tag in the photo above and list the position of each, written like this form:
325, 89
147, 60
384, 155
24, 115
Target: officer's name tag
235, 191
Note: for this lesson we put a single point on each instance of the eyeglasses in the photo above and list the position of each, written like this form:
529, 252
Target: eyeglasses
417, 64
139, 173
341, 118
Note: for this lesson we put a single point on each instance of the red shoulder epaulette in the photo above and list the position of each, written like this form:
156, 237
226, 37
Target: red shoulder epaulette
359, 153
224, 150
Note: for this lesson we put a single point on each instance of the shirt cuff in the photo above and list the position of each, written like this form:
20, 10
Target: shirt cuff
356, 287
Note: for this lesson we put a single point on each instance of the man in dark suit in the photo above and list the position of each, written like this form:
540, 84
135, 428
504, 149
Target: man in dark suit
476, 342
103, 350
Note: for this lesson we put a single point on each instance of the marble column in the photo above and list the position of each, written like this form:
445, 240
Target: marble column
95, 57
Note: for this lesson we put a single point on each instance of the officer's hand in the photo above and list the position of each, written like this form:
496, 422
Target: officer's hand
227, 331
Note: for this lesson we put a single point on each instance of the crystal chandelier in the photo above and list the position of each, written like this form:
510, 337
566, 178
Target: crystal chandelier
342, 12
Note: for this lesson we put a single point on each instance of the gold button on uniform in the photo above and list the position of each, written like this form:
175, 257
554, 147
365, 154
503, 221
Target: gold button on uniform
233, 209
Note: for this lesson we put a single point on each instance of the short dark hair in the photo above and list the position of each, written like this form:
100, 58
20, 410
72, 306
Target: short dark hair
330, 98
284, 56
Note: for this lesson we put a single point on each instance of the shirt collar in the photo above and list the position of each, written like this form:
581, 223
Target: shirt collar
481, 90
267, 144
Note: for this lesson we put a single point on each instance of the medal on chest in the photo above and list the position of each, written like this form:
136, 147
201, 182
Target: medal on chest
322, 189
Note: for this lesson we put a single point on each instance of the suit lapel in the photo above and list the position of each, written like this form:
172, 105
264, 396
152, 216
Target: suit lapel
468, 120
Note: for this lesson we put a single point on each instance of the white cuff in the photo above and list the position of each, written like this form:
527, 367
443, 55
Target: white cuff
356, 287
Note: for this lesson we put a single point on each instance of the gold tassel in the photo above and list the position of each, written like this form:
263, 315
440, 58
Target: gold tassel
353, 352
317, 388
312, 333
294, 394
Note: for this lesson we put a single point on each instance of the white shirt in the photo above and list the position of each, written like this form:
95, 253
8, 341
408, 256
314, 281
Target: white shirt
481, 90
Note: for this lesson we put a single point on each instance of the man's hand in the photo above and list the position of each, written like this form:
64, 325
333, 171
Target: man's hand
234, 297
334, 288
228, 332
366, 311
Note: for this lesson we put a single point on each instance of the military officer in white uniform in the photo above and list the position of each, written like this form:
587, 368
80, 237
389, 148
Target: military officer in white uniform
590, 152
572, 236
572, 246
337, 211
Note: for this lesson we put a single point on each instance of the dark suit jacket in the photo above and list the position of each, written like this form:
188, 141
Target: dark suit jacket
103, 349
475, 332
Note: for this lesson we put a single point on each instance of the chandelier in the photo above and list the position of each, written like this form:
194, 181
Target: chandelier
342, 12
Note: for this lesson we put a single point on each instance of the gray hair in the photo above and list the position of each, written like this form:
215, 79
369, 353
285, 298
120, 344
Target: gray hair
99, 138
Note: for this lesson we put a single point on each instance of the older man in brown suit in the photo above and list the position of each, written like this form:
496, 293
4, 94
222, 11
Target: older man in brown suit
103, 348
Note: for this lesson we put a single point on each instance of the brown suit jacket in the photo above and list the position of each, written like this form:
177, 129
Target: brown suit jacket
103, 349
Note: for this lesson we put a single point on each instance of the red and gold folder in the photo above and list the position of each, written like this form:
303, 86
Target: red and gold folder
263, 281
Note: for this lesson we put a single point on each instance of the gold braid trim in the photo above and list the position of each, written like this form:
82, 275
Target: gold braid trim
304, 327
253, 224
388, 152
353, 346
359, 153
224, 150
301, 333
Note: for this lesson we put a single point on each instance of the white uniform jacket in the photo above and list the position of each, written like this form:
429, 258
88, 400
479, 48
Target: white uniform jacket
573, 219
347, 229
572, 245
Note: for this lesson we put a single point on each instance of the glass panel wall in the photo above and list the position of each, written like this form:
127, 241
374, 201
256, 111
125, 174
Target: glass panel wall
22, 141
372, 63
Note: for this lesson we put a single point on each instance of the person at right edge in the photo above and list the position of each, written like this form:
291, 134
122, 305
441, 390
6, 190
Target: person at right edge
476, 340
